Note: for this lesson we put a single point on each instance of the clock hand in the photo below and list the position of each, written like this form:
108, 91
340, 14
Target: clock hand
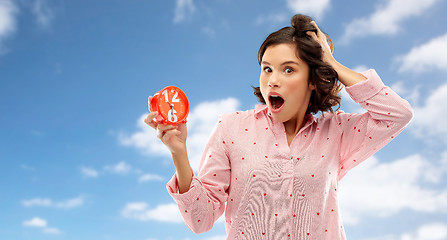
172, 110
170, 104
172, 107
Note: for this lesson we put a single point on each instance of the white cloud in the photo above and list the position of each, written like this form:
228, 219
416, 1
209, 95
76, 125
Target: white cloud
410, 94
223, 237
349, 105
429, 56
383, 189
27, 168
272, 18
35, 222
428, 122
150, 177
201, 125
41, 223
431, 231
43, 13
360, 68
315, 8
37, 133
46, 202
121, 168
162, 213
168, 213
52, 231
41, 202
201, 121
70, 203
8, 12
89, 172
145, 140
444, 160
183, 9
387, 18
210, 32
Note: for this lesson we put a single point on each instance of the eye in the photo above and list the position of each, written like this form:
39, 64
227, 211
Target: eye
267, 69
288, 70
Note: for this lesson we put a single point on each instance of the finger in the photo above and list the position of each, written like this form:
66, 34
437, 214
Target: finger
149, 103
159, 118
160, 133
151, 119
316, 26
182, 127
166, 127
320, 33
169, 134
312, 35
162, 129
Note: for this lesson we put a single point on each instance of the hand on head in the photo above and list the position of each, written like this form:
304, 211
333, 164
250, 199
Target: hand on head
320, 37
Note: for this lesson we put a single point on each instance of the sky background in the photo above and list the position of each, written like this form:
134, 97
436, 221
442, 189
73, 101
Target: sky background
77, 161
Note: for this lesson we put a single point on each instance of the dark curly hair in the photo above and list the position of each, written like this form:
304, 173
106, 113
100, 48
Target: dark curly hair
321, 74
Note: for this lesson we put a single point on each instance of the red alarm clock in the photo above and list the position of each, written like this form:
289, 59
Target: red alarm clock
171, 104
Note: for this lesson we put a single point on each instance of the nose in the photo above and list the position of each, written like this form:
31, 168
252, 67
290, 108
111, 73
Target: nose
274, 81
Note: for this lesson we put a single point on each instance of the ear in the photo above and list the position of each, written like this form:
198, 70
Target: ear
312, 86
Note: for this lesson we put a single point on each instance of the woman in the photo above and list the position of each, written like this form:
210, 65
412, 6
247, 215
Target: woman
277, 167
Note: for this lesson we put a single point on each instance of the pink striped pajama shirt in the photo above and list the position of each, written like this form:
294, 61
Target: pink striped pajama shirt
270, 190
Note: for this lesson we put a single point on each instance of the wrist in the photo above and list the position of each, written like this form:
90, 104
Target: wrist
347, 76
179, 152
334, 64
178, 149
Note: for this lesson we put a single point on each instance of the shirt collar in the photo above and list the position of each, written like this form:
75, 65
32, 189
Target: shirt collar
262, 108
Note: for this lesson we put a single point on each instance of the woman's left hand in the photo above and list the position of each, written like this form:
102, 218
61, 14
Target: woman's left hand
320, 37
345, 75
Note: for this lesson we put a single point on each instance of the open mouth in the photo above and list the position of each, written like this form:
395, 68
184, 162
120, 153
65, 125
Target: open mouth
276, 101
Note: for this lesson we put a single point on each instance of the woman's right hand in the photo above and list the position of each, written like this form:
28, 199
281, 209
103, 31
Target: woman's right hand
173, 136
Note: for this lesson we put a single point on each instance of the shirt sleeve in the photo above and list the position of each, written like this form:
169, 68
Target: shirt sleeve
205, 201
364, 134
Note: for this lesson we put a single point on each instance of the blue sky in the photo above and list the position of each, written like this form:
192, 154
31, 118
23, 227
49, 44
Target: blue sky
77, 161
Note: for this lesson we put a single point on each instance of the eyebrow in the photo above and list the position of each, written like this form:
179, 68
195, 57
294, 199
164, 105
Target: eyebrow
284, 63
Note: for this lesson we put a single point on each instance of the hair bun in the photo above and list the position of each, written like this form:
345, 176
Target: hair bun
302, 23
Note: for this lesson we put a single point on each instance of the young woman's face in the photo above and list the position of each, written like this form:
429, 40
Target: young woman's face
284, 82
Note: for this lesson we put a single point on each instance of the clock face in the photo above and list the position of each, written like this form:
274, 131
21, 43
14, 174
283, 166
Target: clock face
172, 105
